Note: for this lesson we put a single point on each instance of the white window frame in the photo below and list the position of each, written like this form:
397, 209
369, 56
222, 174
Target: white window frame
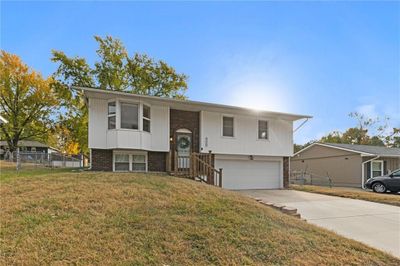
145, 118
131, 154
234, 126
138, 112
258, 129
371, 168
112, 115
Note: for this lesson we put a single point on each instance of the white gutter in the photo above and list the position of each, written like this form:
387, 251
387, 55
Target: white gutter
302, 124
362, 170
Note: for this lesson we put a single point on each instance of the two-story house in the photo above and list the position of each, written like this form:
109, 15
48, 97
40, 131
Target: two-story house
129, 132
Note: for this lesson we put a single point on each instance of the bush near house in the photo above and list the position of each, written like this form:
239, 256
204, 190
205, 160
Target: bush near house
147, 219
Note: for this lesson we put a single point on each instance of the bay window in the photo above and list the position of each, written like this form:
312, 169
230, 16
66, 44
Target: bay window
129, 116
146, 118
111, 115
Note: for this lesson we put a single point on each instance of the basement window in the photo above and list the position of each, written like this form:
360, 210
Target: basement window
121, 162
130, 161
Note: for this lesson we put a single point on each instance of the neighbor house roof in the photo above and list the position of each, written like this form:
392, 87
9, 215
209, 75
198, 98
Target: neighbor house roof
27, 143
190, 105
364, 150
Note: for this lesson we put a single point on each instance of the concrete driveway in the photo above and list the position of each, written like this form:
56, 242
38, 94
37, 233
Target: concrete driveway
375, 224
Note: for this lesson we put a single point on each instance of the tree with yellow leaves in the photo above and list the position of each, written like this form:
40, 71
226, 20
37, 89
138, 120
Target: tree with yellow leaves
27, 101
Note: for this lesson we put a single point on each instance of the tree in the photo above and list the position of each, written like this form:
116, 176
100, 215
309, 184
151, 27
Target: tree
114, 70
26, 101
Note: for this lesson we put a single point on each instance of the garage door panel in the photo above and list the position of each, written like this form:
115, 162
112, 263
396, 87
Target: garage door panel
246, 174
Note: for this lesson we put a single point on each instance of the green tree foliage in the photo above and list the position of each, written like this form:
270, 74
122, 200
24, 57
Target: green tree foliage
361, 133
26, 101
114, 70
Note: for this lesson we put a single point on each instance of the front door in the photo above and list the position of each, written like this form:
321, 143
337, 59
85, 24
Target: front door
184, 149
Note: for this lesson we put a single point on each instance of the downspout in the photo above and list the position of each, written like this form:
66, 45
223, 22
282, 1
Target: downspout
362, 170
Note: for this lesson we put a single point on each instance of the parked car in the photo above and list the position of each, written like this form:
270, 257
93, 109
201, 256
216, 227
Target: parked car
381, 184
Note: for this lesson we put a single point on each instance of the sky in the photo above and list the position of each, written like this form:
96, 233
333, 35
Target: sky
324, 59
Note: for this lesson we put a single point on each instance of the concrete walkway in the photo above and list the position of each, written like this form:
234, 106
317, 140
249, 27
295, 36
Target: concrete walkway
375, 224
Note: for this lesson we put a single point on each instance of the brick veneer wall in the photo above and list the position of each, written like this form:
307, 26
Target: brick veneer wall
286, 172
101, 160
185, 119
156, 161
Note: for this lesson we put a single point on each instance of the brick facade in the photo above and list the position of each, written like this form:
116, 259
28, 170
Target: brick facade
185, 119
286, 172
101, 160
156, 161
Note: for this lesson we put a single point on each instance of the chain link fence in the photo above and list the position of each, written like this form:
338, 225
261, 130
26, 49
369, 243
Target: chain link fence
27, 160
307, 178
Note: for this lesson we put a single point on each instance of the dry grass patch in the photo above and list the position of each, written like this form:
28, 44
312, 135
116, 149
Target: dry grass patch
392, 199
139, 219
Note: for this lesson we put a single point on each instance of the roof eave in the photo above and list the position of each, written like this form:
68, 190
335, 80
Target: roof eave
288, 116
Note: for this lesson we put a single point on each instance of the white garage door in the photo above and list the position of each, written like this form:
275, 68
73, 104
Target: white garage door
247, 174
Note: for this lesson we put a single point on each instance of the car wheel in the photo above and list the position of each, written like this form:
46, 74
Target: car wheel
379, 187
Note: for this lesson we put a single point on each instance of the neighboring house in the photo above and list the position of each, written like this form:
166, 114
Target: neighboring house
28, 146
346, 164
129, 132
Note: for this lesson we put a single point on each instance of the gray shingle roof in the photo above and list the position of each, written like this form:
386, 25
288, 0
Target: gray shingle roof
375, 150
26, 143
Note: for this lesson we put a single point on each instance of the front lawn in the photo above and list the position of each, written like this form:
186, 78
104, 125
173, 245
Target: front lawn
351, 193
143, 219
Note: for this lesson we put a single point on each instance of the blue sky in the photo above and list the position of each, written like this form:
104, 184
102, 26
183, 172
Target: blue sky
324, 59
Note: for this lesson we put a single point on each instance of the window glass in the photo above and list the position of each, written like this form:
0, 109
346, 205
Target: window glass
376, 169
262, 129
227, 130
111, 108
139, 163
146, 111
111, 122
121, 162
129, 116
111, 115
396, 173
146, 125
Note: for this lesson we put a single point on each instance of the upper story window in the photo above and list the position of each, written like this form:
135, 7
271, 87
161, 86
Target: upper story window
262, 129
227, 126
146, 118
111, 115
129, 116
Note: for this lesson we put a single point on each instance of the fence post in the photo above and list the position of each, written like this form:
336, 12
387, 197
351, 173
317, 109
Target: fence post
220, 177
18, 159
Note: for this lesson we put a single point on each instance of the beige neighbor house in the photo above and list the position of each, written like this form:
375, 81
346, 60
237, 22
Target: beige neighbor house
346, 164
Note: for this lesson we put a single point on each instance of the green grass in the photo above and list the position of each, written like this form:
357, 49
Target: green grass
144, 219
351, 193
